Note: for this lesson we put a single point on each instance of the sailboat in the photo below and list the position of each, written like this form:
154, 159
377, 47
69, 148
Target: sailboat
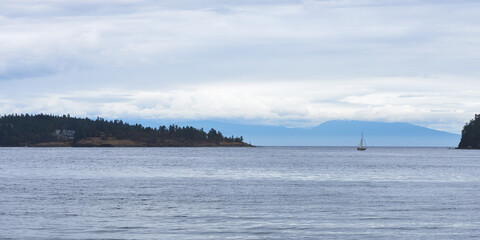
361, 147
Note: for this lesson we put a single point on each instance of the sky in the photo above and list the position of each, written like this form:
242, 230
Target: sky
283, 63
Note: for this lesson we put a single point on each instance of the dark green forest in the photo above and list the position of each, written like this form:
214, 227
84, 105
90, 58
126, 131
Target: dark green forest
471, 134
29, 130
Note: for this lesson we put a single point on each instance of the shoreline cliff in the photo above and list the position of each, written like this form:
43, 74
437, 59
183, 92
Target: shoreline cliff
471, 134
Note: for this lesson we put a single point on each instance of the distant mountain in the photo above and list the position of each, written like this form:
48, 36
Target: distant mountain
331, 133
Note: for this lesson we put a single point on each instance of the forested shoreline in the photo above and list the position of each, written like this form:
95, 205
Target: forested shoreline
42, 130
471, 134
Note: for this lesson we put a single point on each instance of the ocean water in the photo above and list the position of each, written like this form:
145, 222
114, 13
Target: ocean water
239, 193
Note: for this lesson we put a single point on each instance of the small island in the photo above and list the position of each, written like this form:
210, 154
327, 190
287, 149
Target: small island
43, 130
471, 134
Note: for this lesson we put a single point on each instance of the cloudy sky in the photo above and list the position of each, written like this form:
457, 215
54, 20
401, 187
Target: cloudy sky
283, 62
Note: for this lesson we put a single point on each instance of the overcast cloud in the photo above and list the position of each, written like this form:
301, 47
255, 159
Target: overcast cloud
291, 63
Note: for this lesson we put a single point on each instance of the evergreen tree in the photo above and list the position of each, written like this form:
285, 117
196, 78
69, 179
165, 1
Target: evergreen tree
27, 130
471, 134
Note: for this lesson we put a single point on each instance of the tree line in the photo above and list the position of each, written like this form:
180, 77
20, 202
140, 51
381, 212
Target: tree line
471, 134
26, 130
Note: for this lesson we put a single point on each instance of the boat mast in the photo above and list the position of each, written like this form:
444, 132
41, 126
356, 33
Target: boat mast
361, 141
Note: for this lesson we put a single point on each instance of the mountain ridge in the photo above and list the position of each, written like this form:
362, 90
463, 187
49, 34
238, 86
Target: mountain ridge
333, 133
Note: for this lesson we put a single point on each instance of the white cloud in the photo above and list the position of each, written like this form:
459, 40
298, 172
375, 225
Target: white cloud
343, 36
290, 103
278, 62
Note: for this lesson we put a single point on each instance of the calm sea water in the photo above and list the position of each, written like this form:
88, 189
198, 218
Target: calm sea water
239, 193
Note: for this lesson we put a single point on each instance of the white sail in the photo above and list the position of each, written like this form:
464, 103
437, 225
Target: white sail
361, 147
